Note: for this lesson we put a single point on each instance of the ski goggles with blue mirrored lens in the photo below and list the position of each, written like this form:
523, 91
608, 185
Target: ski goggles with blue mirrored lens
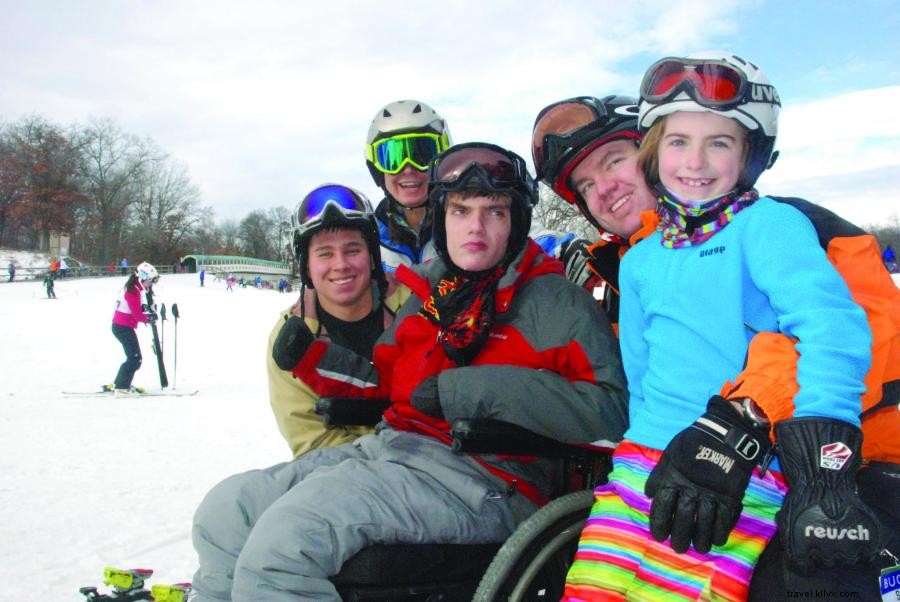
710, 83
494, 166
346, 200
391, 155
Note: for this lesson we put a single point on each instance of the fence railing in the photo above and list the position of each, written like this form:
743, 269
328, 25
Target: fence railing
81, 271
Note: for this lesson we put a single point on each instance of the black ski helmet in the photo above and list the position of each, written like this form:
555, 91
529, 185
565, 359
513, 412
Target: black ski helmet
489, 169
332, 206
567, 131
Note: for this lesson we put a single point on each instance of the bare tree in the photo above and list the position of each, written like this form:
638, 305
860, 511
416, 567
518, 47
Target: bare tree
256, 231
112, 165
167, 209
555, 213
280, 218
230, 232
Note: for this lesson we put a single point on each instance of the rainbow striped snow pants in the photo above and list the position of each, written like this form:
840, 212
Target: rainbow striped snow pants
618, 559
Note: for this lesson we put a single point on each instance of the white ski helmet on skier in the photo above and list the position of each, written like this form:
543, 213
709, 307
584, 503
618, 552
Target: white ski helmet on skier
146, 272
720, 83
404, 132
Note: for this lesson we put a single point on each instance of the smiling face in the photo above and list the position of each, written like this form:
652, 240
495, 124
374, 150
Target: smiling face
701, 155
409, 187
340, 268
478, 229
613, 187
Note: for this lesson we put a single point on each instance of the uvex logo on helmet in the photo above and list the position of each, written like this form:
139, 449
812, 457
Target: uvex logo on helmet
764, 93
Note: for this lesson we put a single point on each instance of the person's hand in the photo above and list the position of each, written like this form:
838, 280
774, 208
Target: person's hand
291, 344
823, 522
699, 482
151, 317
426, 398
575, 258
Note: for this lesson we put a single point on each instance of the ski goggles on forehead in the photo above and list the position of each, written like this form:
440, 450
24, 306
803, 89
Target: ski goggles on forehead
344, 199
497, 167
391, 155
711, 83
557, 121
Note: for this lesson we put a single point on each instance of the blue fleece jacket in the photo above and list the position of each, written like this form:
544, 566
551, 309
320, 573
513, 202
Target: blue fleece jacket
688, 314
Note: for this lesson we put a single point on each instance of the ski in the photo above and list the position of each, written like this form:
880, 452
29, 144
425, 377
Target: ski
157, 348
136, 394
128, 585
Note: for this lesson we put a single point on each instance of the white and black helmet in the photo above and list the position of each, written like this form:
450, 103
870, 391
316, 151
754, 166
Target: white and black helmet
404, 117
720, 83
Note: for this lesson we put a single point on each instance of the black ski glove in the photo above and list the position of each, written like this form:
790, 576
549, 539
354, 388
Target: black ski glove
699, 482
823, 522
151, 317
426, 398
291, 344
575, 258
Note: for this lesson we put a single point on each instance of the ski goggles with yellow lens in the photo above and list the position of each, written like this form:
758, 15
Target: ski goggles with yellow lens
391, 155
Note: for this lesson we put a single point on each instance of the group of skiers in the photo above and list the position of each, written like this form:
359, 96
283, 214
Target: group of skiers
745, 356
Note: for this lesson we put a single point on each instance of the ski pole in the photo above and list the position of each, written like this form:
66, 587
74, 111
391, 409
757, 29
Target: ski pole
162, 319
175, 361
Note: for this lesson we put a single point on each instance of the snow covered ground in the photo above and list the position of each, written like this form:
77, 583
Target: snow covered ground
91, 482
86, 483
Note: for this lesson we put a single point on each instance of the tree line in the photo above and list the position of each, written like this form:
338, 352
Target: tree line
116, 195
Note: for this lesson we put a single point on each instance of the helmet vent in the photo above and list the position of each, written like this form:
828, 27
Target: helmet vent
386, 113
418, 109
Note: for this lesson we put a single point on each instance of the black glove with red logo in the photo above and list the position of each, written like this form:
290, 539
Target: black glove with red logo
699, 482
823, 522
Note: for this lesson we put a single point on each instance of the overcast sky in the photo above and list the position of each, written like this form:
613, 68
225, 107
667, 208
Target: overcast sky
264, 100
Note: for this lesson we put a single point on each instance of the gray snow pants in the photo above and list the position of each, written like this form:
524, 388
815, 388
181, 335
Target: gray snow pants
279, 533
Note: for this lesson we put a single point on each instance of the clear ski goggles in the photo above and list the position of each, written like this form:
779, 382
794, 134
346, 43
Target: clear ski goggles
346, 200
710, 83
391, 155
496, 168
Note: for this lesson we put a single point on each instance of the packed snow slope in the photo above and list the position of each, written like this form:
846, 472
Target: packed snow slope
86, 483
89, 482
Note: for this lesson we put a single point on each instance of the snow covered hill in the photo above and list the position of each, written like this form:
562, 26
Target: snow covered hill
91, 482
88, 482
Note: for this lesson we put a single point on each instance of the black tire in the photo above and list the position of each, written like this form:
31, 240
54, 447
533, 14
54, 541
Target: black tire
533, 563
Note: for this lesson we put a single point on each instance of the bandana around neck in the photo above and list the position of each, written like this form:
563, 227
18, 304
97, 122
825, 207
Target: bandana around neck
688, 225
464, 310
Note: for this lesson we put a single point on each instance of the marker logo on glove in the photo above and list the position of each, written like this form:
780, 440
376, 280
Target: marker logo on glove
833, 456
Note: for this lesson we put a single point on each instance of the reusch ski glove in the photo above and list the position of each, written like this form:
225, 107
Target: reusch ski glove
291, 344
823, 522
699, 482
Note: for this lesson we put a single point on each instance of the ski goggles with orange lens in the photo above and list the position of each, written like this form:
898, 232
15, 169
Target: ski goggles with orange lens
391, 155
495, 168
710, 83
558, 121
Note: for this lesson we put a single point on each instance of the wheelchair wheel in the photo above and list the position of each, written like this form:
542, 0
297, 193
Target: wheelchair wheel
533, 563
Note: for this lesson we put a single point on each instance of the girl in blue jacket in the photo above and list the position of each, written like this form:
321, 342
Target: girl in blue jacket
690, 505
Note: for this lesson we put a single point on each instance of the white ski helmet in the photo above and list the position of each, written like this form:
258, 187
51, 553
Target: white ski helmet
404, 117
145, 271
720, 83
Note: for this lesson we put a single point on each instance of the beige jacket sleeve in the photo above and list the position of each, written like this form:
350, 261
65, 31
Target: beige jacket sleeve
294, 405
